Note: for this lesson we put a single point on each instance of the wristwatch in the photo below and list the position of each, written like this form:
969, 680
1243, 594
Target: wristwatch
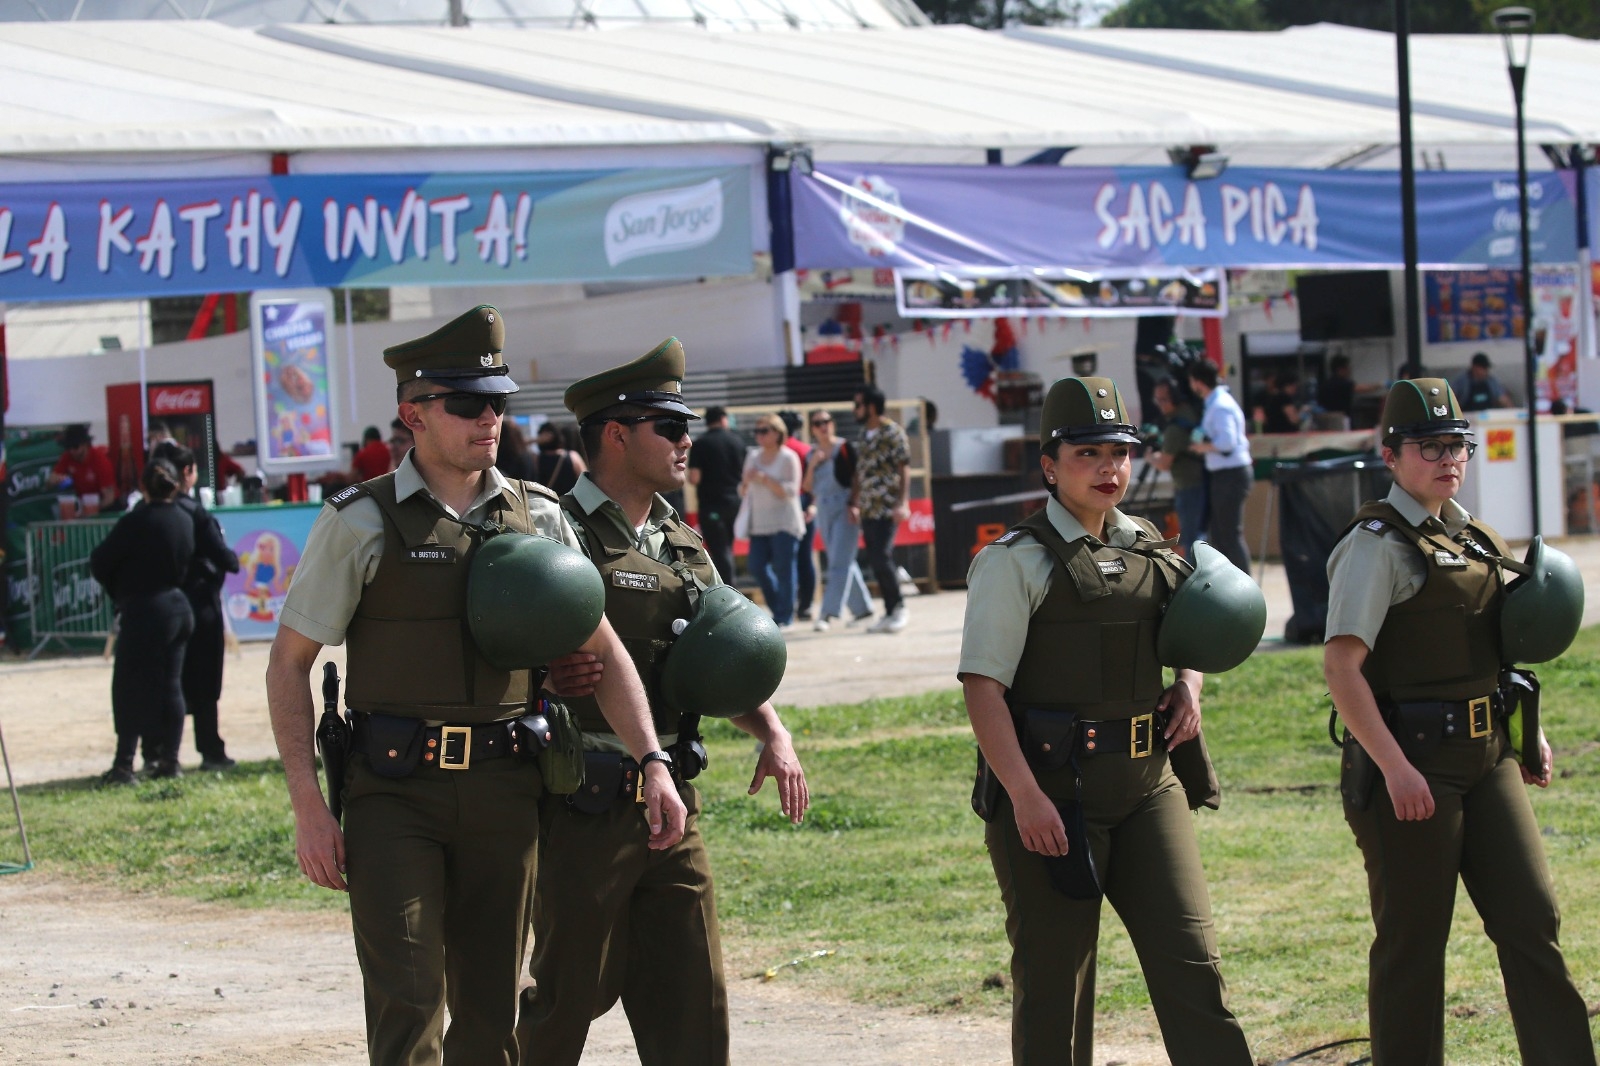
655, 756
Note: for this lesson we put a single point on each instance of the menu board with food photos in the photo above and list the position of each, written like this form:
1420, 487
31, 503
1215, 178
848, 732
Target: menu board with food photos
294, 385
1470, 306
956, 293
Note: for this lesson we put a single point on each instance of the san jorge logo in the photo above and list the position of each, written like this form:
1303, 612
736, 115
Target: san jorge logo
873, 217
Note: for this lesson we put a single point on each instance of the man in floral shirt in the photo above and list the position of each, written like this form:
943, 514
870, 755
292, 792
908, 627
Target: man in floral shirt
879, 499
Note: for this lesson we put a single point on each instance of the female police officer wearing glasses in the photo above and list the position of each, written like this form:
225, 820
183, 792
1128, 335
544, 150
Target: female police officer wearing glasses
1059, 668
1413, 659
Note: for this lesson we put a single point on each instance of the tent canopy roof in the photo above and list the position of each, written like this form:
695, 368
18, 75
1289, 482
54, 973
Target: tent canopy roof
1322, 91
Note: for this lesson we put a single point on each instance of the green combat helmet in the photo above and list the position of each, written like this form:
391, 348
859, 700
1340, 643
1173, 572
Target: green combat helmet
728, 659
531, 599
1215, 619
1543, 609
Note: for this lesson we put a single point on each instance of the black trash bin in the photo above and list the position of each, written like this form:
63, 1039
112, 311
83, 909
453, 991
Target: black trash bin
1317, 499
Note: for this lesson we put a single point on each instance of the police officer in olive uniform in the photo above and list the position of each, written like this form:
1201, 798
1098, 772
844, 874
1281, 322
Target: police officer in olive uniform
1415, 650
1075, 720
440, 826
608, 914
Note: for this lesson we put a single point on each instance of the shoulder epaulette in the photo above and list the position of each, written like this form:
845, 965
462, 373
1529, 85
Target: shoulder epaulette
541, 490
1376, 526
1008, 538
346, 496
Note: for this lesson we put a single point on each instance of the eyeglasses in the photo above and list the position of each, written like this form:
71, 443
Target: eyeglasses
668, 426
1433, 450
818, 423
759, 430
466, 404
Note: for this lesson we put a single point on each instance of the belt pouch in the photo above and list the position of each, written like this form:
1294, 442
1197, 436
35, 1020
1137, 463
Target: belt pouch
985, 791
1191, 763
1074, 874
561, 761
394, 744
1419, 728
602, 783
1357, 775
1048, 737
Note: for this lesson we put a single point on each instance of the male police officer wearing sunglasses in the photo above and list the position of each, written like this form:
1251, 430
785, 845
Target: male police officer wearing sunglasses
441, 822
610, 914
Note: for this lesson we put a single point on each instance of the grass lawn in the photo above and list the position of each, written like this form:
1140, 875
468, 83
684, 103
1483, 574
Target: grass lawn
890, 873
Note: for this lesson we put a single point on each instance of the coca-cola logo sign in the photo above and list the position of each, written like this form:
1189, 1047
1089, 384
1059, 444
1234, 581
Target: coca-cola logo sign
179, 400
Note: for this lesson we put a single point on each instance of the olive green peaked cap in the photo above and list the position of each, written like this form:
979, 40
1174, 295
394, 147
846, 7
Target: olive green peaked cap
465, 354
1086, 411
654, 380
1422, 407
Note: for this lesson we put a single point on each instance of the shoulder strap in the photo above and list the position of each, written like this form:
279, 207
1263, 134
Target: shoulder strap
347, 495
592, 533
1076, 558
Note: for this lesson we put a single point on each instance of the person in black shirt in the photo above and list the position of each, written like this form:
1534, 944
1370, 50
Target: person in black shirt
142, 563
202, 586
1338, 393
716, 466
560, 457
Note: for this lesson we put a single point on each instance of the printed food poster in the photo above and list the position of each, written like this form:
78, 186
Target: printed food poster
1471, 306
294, 401
268, 542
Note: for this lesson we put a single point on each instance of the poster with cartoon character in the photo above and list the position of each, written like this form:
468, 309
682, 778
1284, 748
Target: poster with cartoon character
294, 384
269, 551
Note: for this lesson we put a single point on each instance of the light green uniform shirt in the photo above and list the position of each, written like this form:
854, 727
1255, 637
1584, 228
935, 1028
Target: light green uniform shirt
1007, 583
1369, 572
650, 540
344, 546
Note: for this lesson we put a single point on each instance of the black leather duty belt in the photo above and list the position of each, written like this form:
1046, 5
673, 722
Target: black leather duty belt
1456, 719
445, 747
1138, 736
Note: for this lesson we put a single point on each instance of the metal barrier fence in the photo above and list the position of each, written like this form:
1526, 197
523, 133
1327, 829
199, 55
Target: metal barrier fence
66, 602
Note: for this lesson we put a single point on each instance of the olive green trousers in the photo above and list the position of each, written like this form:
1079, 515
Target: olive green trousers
1141, 834
614, 920
1483, 830
440, 867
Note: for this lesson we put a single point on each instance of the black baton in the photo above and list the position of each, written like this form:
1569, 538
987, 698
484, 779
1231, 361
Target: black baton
333, 739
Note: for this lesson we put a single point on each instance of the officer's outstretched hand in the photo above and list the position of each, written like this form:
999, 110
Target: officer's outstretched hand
1039, 823
319, 846
779, 762
575, 674
1409, 793
1181, 705
663, 809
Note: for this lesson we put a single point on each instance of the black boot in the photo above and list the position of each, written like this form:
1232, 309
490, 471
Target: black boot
166, 768
118, 775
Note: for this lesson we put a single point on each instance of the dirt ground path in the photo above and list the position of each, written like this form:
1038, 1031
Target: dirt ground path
89, 974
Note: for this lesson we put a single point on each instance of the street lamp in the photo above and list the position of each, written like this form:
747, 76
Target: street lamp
1516, 33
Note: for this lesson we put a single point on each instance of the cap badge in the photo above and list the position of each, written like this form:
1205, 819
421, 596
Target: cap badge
1101, 392
621, 396
1433, 392
1441, 411
1107, 415
489, 317
486, 360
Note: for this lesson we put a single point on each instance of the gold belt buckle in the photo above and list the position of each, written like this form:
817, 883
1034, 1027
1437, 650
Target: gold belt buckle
1479, 721
462, 759
1141, 736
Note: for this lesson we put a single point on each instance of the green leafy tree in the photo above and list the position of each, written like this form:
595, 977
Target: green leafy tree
996, 14
1187, 15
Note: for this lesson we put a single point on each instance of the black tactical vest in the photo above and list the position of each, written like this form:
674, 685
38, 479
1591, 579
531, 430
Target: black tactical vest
410, 652
1091, 646
1444, 642
644, 596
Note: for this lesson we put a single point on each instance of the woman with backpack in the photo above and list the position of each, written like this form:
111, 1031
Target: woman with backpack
830, 468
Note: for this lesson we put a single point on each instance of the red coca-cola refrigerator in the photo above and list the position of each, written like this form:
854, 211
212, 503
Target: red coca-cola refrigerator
186, 408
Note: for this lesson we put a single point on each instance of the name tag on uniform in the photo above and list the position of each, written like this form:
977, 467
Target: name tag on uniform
627, 579
1112, 566
432, 553
1444, 558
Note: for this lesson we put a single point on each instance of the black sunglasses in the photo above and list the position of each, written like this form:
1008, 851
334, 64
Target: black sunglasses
816, 422
670, 427
467, 404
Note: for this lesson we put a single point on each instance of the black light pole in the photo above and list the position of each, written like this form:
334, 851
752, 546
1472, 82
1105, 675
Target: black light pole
1516, 32
1408, 181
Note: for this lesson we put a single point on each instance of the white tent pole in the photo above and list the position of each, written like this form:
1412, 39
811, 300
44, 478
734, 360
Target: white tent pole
350, 356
